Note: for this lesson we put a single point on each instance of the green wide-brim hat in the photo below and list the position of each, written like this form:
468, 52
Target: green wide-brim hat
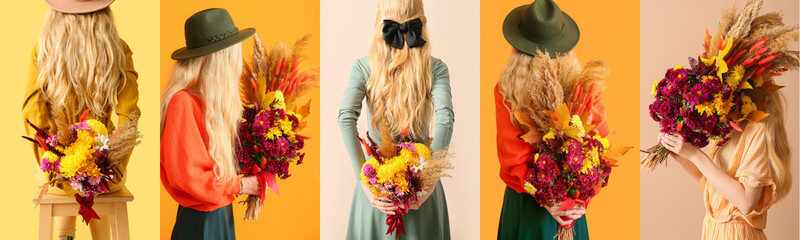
541, 25
209, 31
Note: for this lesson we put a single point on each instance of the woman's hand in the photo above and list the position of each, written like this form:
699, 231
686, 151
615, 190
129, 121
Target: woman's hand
381, 203
572, 214
421, 199
251, 186
681, 149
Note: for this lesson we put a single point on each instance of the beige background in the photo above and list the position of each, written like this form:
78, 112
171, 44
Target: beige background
347, 29
672, 203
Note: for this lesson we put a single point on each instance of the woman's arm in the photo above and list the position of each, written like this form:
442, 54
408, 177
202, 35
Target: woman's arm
687, 165
512, 152
349, 112
33, 107
743, 197
187, 170
443, 109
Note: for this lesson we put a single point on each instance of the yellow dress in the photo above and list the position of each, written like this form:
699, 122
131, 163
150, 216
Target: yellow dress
35, 109
750, 165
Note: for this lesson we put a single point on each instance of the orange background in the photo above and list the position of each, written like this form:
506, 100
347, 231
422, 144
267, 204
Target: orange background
295, 213
609, 31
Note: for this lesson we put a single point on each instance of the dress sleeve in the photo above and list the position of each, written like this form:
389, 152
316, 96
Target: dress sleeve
350, 110
34, 109
754, 168
186, 165
512, 151
443, 106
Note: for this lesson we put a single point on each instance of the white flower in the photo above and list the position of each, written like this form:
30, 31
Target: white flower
102, 142
421, 165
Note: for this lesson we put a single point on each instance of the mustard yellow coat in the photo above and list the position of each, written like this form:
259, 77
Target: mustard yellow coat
35, 109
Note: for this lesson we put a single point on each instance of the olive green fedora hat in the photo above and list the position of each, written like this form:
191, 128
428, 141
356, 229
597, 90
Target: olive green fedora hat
78, 6
541, 25
209, 31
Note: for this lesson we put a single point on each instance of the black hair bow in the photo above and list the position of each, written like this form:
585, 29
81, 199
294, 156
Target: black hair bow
393, 33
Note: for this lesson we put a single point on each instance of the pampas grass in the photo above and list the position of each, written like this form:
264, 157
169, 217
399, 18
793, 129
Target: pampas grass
436, 168
533, 84
125, 137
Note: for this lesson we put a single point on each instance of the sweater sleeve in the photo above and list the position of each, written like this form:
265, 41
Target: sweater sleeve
187, 170
350, 110
127, 103
443, 106
512, 152
34, 109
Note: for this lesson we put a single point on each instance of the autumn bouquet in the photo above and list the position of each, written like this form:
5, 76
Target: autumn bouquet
84, 156
269, 133
561, 117
401, 172
726, 84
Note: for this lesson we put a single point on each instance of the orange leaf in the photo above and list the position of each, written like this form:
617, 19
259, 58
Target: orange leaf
756, 116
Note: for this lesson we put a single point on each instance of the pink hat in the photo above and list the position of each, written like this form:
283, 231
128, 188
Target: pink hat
78, 6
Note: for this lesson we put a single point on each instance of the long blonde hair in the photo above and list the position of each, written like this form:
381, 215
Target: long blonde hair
214, 80
81, 64
399, 88
778, 150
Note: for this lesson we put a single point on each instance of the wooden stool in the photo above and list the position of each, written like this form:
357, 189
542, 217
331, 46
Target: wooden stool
114, 206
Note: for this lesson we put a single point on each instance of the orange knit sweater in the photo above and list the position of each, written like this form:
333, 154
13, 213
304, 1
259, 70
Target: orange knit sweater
187, 170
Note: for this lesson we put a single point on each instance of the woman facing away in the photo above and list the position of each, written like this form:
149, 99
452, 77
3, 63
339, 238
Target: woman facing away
404, 87
200, 111
80, 64
742, 178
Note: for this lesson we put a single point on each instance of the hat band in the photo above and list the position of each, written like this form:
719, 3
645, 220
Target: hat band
224, 35
534, 37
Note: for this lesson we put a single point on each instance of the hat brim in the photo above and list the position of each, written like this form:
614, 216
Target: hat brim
555, 47
73, 7
184, 53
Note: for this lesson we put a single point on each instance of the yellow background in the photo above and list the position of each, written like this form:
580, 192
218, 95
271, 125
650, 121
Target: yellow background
295, 213
137, 23
610, 31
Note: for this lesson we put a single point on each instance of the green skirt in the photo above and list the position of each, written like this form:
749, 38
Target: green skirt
194, 224
429, 222
523, 218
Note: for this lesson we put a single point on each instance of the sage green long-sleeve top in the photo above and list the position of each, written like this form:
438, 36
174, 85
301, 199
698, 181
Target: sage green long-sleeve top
430, 221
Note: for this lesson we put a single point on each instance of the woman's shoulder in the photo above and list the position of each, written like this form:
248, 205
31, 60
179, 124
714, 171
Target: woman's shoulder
439, 68
754, 128
183, 101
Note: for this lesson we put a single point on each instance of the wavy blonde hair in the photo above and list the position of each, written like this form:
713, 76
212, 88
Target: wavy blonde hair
778, 149
214, 79
81, 63
399, 87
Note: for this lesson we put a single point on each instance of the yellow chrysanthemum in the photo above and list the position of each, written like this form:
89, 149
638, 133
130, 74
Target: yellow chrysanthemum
530, 188
704, 108
747, 105
735, 77
97, 127
423, 150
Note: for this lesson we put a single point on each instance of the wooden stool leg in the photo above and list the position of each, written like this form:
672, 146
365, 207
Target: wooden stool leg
45, 222
121, 221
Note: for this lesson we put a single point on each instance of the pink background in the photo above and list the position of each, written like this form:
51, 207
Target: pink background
671, 202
